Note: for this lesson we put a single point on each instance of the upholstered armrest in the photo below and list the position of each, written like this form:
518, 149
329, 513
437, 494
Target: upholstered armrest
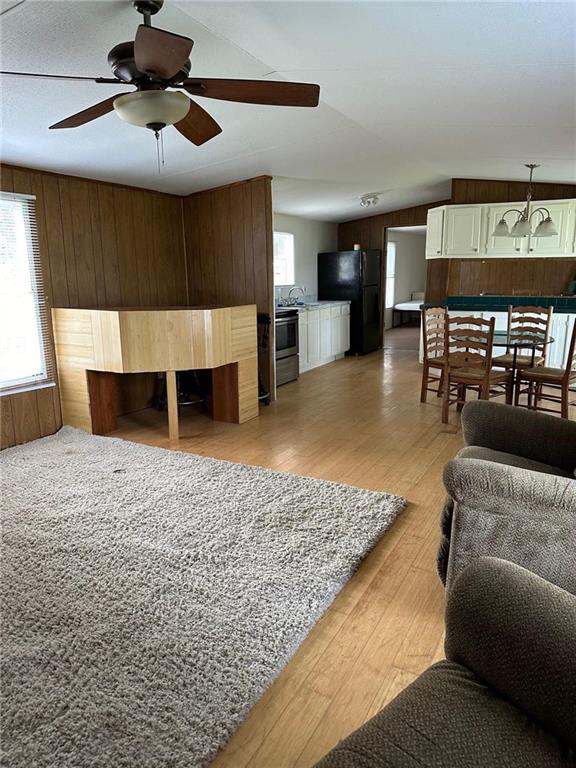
526, 517
536, 436
518, 633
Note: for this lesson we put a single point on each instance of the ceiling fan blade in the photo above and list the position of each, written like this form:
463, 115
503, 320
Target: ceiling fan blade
198, 126
66, 77
96, 110
275, 92
160, 53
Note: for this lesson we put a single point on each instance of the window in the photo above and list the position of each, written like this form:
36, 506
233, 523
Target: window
390, 274
25, 353
283, 258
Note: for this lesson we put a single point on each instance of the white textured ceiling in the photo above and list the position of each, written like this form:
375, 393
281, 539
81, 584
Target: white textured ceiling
412, 94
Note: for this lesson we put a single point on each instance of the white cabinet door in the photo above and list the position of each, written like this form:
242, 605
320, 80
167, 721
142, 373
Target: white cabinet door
562, 213
462, 230
562, 325
335, 316
434, 228
325, 333
313, 337
503, 246
303, 341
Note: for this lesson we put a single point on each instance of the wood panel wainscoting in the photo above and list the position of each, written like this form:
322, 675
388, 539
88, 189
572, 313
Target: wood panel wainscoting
229, 253
111, 245
94, 345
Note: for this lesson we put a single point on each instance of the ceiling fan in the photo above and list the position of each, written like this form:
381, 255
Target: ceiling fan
157, 63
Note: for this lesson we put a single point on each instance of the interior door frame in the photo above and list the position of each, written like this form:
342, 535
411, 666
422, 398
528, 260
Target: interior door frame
383, 273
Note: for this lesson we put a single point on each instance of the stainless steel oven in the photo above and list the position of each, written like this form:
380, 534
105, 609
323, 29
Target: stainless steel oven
286, 328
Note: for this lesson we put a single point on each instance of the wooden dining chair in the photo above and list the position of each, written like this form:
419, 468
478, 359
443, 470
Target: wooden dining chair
433, 330
468, 350
557, 379
523, 323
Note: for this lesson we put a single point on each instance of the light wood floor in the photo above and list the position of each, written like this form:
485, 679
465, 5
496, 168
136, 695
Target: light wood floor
357, 421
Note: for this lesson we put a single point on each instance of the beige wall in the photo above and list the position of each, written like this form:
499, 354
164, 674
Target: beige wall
310, 238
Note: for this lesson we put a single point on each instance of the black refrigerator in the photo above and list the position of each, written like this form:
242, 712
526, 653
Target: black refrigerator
354, 276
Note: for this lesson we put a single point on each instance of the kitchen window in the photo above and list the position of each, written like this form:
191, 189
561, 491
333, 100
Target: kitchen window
26, 358
283, 258
390, 274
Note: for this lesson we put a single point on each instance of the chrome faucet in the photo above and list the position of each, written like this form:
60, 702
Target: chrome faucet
291, 300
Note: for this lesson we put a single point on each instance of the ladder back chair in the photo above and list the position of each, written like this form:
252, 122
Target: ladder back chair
468, 349
557, 379
523, 324
433, 332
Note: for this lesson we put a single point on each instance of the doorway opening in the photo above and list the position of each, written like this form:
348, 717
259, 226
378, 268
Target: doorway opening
405, 251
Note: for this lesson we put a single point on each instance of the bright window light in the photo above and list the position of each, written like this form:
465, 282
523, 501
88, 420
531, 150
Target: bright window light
283, 258
390, 274
25, 354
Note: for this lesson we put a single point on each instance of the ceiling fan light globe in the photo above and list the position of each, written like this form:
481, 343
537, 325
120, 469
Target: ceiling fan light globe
546, 228
501, 229
143, 108
521, 228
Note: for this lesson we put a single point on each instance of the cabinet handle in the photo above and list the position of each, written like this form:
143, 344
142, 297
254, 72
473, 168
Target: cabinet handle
438, 251
517, 249
475, 250
531, 249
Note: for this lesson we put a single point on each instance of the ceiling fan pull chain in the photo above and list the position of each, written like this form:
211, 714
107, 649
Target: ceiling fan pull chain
162, 147
157, 135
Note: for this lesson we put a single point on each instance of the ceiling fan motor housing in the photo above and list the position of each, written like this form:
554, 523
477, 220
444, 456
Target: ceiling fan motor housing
121, 61
148, 7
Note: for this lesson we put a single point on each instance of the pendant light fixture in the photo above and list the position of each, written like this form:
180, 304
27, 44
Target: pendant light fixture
523, 226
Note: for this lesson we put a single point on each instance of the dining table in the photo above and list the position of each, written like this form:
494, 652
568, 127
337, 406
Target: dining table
527, 340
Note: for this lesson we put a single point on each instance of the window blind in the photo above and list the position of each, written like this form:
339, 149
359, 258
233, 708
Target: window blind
26, 355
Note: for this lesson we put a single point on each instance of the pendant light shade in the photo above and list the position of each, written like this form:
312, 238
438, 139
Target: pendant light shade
546, 228
521, 228
152, 108
501, 229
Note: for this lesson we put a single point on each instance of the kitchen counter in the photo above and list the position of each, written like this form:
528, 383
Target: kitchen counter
312, 305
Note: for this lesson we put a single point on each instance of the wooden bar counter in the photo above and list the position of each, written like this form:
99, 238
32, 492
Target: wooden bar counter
94, 345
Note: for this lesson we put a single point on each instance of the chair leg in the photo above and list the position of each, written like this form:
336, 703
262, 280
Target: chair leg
445, 401
424, 387
441, 384
509, 390
484, 391
517, 388
564, 402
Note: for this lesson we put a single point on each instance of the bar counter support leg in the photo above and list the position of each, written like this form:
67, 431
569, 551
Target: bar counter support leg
172, 397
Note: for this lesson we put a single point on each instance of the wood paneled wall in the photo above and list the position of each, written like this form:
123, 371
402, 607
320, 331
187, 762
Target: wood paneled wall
469, 277
472, 191
102, 245
228, 243
369, 231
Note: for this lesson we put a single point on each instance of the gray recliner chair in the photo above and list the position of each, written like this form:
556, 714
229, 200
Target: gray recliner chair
512, 494
504, 698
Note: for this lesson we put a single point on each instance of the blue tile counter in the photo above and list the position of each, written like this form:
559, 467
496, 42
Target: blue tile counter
562, 304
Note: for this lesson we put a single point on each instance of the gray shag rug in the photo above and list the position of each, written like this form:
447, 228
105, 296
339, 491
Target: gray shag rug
150, 596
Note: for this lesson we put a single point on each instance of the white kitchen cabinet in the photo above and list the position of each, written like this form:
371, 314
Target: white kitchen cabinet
434, 230
562, 213
467, 231
502, 246
325, 333
313, 337
462, 228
